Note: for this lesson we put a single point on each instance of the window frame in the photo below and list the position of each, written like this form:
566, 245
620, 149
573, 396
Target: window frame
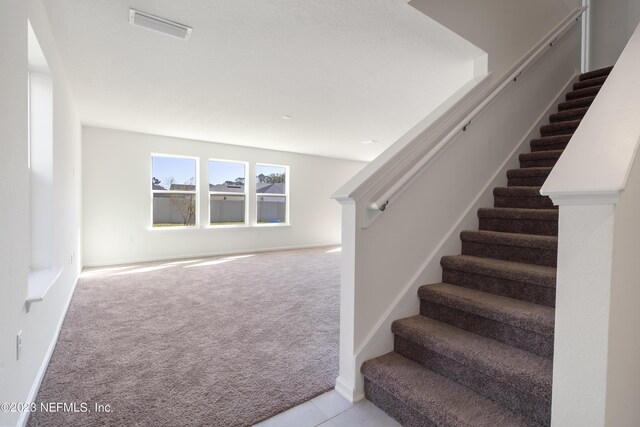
286, 195
245, 193
195, 193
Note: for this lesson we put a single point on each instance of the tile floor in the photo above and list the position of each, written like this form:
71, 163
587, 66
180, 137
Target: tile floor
331, 410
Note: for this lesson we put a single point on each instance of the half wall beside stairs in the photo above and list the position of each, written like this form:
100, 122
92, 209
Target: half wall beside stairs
596, 184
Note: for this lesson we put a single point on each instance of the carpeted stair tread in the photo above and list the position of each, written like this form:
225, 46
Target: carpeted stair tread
595, 73
437, 399
576, 113
529, 172
517, 191
560, 128
576, 103
540, 155
525, 284
518, 213
557, 142
516, 271
527, 371
596, 81
532, 176
537, 249
550, 140
527, 197
583, 93
510, 239
519, 220
520, 314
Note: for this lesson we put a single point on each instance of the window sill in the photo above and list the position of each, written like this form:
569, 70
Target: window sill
173, 228
39, 283
220, 227
226, 226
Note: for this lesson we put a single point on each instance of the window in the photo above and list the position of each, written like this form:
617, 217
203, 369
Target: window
227, 193
272, 194
174, 188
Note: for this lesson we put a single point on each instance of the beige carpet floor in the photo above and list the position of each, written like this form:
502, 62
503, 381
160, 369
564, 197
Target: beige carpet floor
225, 341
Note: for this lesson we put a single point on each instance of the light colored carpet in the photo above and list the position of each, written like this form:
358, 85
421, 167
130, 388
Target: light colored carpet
225, 341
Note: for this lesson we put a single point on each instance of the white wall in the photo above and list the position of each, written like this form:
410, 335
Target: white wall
39, 326
612, 23
116, 200
505, 29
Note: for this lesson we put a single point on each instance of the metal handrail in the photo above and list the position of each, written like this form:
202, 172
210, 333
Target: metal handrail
396, 189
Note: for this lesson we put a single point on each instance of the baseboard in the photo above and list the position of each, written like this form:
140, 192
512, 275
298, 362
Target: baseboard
205, 255
33, 392
344, 389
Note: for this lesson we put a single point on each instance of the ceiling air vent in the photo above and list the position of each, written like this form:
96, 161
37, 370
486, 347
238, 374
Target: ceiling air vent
156, 23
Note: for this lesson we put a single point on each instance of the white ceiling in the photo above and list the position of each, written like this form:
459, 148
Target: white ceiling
345, 70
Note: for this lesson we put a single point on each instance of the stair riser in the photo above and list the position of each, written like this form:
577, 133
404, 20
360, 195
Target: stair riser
576, 103
508, 334
538, 163
527, 181
568, 115
537, 256
549, 147
595, 73
397, 409
521, 226
533, 202
502, 392
582, 93
509, 288
598, 81
557, 131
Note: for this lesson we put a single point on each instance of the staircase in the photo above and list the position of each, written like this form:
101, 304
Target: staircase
481, 351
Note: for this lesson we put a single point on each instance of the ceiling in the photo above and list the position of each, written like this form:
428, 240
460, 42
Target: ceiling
346, 71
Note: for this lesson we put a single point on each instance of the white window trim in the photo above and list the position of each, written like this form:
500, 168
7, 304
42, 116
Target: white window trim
287, 221
245, 224
195, 193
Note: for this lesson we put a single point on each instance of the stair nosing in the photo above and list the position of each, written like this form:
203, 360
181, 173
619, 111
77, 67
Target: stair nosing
541, 155
571, 121
591, 82
529, 172
532, 274
501, 238
605, 71
519, 366
572, 111
471, 301
520, 191
547, 139
587, 99
435, 407
524, 214
587, 91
